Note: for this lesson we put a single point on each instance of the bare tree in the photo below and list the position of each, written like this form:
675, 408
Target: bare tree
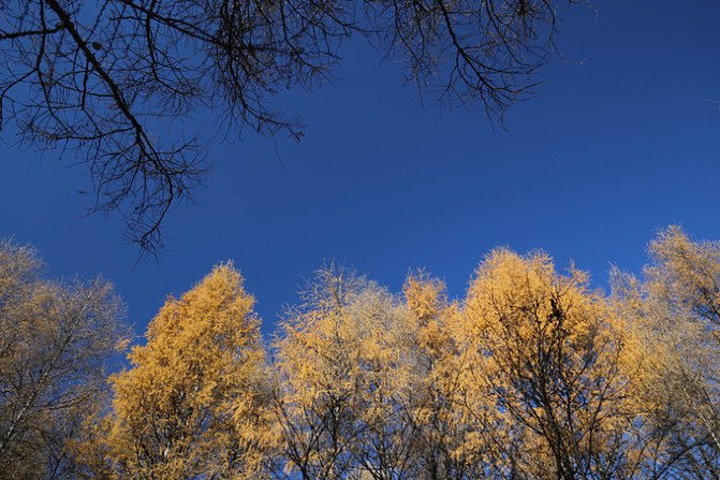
100, 77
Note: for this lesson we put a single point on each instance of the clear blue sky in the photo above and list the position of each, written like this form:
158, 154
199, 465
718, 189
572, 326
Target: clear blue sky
611, 150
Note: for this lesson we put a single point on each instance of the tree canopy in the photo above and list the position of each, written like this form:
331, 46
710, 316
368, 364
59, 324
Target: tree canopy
56, 339
530, 375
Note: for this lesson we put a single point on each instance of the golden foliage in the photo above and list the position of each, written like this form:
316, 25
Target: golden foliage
543, 370
193, 402
55, 338
674, 314
340, 377
533, 375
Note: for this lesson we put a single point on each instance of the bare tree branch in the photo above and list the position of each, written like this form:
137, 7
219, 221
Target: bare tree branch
101, 79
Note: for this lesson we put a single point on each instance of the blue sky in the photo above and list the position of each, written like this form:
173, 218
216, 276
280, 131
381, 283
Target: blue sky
621, 140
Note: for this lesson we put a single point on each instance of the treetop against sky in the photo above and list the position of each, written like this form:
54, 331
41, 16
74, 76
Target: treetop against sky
531, 374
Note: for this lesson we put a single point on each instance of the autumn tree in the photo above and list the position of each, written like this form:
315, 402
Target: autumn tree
435, 407
346, 369
543, 367
532, 375
675, 312
99, 77
318, 362
192, 403
55, 340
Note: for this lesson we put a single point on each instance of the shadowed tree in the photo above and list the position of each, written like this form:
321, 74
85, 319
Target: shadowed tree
366, 384
675, 312
101, 77
435, 407
55, 339
321, 362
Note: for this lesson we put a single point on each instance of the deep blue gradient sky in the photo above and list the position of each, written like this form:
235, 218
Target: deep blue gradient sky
612, 149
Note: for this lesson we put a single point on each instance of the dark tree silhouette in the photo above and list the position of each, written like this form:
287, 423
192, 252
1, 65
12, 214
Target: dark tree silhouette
99, 77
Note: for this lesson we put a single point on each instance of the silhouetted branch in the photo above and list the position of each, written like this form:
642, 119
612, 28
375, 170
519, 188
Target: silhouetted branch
101, 78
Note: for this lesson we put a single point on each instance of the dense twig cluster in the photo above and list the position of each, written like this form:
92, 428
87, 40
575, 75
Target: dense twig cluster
106, 78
